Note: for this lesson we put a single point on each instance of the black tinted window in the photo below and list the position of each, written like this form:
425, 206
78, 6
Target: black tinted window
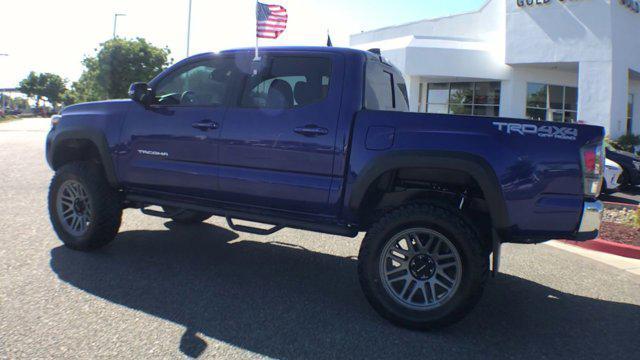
200, 84
384, 90
289, 82
378, 88
402, 98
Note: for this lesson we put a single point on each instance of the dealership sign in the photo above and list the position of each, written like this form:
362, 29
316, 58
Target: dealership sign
523, 3
633, 5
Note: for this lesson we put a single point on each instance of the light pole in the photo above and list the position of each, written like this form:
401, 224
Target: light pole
115, 23
4, 100
189, 28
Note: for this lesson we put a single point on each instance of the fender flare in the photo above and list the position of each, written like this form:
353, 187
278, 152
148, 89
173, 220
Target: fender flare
94, 136
474, 165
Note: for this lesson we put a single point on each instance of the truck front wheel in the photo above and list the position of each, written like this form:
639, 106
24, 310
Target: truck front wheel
422, 266
84, 210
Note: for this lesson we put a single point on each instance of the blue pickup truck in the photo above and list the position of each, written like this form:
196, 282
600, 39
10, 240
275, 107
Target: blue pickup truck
321, 139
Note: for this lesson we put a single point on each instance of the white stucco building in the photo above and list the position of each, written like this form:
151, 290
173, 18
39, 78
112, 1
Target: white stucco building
561, 60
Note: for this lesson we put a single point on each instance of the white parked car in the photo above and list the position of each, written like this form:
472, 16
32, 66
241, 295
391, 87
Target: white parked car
612, 172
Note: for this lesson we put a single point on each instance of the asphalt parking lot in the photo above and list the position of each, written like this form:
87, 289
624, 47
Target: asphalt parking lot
165, 291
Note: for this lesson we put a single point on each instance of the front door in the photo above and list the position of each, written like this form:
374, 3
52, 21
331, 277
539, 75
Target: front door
278, 141
171, 146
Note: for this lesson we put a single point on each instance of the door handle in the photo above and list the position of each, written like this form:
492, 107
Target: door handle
311, 130
205, 125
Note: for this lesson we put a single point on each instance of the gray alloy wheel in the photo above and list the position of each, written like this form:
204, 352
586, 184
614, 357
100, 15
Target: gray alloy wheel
85, 211
74, 208
420, 269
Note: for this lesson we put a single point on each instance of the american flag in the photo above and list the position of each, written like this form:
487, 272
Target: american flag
271, 20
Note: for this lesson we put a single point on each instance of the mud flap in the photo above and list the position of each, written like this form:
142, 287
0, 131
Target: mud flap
495, 254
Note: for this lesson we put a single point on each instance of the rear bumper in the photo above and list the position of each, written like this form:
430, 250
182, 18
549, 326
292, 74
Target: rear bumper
588, 228
591, 219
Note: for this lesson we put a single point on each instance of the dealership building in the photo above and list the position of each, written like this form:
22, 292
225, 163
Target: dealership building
548, 60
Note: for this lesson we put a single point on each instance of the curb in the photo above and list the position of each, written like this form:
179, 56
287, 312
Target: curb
631, 266
610, 247
617, 205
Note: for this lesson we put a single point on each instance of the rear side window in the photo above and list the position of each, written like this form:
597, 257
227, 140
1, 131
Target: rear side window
384, 89
289, 82
402, 99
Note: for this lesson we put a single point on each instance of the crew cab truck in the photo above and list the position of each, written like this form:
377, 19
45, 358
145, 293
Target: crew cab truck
321, 139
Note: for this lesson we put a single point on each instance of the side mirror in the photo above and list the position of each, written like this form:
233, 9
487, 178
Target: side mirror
140, 93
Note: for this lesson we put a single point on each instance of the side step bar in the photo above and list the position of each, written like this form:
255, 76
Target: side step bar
281, 222
253, 230
160, 214
236, 227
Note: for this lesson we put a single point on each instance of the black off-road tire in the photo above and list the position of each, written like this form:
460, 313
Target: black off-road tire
186, 217
106, 204
624, 180
605, 189
446, 221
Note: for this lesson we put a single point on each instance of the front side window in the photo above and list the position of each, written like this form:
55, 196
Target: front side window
200, 84
290, 82
464, 98
552, 103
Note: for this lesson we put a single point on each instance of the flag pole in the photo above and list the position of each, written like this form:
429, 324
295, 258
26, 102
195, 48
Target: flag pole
257, 55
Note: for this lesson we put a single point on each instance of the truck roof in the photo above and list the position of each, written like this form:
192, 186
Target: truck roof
324, 49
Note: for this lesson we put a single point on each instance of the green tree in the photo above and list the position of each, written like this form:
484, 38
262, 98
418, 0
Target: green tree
53, 88
19, 103
30, 86
626, 142
43, 86
117, 64
14, 102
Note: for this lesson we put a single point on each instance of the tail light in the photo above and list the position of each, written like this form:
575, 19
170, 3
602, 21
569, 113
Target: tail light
592, 168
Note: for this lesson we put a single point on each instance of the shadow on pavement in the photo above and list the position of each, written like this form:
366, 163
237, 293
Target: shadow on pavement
284, 301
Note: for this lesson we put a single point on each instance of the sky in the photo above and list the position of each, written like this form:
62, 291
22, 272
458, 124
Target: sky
55, 35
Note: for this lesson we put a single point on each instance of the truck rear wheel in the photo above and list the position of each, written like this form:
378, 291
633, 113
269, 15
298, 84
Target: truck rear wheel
422, 266
84, 210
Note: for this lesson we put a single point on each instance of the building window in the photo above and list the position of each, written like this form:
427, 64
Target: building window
552, 103
630, 115
464, 98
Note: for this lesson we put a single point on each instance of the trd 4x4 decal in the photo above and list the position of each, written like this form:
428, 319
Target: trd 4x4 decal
544, 131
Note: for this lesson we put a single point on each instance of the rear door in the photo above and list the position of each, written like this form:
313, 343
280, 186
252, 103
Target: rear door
279, 138
172, 144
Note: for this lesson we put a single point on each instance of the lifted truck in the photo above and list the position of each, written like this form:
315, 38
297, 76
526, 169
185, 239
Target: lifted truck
321, 139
